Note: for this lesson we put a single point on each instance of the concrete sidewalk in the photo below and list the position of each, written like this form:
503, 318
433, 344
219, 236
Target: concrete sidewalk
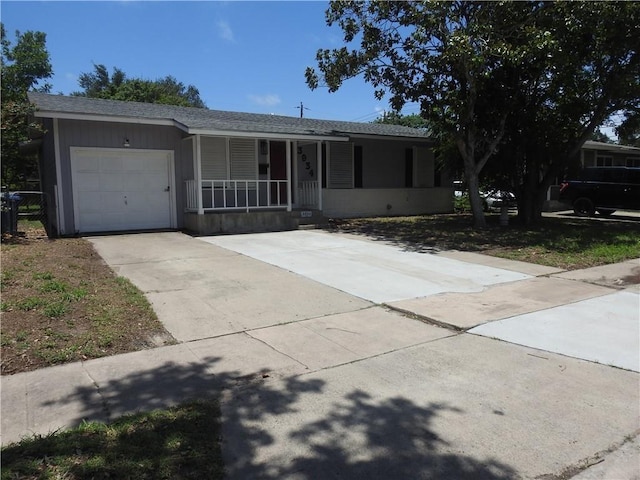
317, 383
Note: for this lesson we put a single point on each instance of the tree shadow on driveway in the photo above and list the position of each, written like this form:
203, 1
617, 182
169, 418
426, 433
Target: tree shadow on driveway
293, 428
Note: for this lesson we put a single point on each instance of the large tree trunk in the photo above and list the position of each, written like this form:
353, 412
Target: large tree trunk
477, 207
471, 172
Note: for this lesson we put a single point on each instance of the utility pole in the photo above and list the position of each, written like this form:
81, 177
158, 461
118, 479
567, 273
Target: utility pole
302, 109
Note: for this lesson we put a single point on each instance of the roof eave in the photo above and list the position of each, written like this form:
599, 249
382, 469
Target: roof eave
267, 135
110, 118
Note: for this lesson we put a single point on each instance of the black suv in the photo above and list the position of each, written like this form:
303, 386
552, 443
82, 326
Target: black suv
603, 189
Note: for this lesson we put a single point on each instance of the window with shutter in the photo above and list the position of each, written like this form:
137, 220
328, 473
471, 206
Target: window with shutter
243, 159
341, 165
213, 158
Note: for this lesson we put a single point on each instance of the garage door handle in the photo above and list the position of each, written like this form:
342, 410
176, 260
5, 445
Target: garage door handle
167, 189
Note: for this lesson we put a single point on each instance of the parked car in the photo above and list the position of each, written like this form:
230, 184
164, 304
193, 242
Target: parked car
603, 190
498, 198
491, 199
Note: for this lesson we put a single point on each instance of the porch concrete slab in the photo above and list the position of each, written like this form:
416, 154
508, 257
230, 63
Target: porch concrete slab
467, 310
605, 329
462, 407
373, 271
617, 275
337, 339
33, 403
503, 263
199, 290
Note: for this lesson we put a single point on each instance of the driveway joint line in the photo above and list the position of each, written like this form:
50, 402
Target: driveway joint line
399, 349
426, 319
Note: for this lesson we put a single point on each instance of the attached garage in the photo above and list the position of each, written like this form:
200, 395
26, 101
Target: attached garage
120, 189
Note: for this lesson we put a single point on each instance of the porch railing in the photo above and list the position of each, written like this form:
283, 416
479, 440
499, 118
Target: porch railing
237, 194
308, 193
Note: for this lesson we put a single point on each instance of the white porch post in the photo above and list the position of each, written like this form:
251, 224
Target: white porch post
320, 167
294, 166
198, 174
288, 175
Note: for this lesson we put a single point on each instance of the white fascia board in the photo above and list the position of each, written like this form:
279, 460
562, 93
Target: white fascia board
275, 136
356, 136
112, 119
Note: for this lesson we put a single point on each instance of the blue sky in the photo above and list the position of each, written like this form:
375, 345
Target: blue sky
242, 56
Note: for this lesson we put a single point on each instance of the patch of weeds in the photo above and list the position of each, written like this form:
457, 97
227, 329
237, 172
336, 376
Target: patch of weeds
75, 295
43, 276
30, 303
22, 335
132, 294
55, 310
53, 354
6, 278
5, 306
105, 340
53, 286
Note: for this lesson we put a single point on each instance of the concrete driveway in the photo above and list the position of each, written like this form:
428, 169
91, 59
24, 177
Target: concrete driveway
338, 357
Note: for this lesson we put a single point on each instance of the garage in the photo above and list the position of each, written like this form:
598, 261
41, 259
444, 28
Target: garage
122, 189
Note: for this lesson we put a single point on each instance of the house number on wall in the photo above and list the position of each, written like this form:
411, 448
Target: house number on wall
307, 164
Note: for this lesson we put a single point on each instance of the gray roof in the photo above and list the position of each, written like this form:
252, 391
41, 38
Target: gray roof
612, 147
202, 120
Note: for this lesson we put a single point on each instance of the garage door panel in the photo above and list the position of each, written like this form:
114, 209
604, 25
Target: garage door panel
111, 165
87, 164
88, 182
112, 182
121, 190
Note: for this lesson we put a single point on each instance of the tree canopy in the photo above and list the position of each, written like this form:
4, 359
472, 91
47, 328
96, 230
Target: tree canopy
117, 86
394, 118
24, 66
523, 82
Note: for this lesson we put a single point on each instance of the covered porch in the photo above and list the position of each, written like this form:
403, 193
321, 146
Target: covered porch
243, 184
251, 174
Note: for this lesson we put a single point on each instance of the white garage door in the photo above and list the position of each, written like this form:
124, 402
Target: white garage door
121, 189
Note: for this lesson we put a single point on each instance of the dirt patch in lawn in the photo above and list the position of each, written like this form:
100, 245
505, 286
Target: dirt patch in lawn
61, 303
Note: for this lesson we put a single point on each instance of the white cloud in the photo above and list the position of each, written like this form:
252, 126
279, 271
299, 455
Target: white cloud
224, 31
269, 100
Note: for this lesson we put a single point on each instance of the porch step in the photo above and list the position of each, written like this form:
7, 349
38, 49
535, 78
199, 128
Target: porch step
309, 218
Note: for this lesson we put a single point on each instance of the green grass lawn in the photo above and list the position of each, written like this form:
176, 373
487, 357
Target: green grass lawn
176, 443
567, 243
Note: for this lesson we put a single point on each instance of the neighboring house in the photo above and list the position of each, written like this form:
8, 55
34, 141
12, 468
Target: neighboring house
600, 154
595, 154
114, 166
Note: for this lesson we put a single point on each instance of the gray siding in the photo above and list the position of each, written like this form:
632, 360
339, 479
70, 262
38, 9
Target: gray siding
383, 163
75, 133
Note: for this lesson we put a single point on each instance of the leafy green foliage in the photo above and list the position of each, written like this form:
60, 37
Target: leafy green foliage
24, 67
117, 86
394, 118
529, 80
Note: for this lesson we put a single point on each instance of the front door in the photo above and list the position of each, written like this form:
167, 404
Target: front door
278, 171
